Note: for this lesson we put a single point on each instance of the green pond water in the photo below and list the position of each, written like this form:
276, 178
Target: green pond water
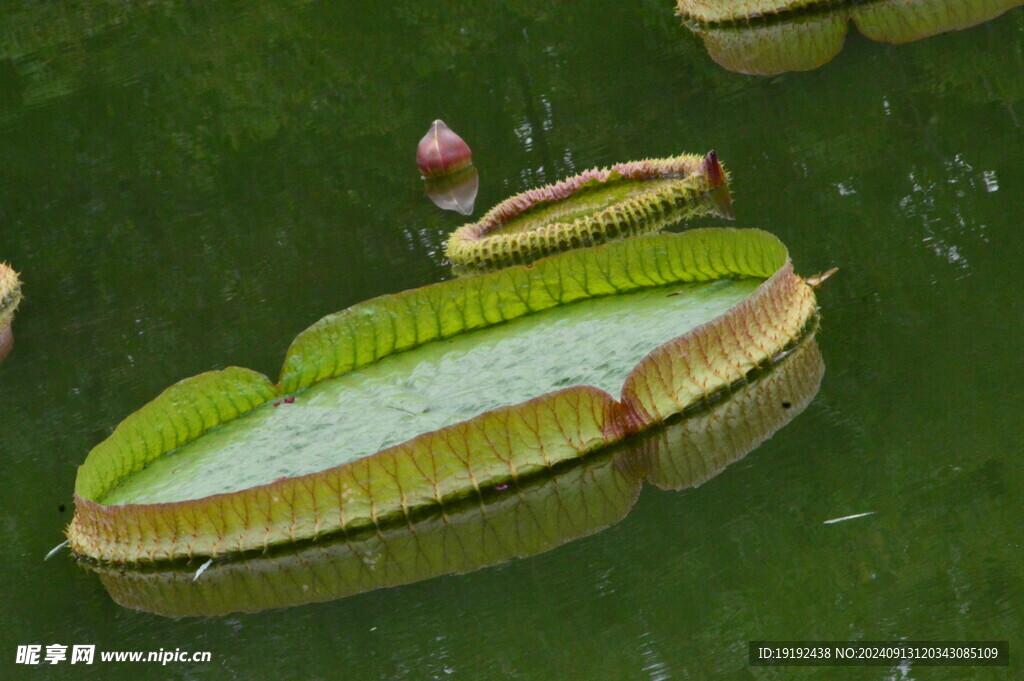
187, 186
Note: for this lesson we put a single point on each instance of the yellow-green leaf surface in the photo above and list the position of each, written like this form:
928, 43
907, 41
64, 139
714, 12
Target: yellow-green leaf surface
179, 415
406, 402
501, 523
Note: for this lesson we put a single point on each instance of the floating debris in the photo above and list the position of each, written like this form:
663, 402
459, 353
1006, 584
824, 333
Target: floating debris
53, 552
818, 279
202, 569
848, 517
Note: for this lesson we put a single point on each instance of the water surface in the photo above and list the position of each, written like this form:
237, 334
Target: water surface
187, 187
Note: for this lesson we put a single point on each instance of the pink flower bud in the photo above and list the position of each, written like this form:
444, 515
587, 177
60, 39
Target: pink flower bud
441, 151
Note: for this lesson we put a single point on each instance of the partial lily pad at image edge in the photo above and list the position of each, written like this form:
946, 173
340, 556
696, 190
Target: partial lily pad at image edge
10, 297
762, 37
407, 402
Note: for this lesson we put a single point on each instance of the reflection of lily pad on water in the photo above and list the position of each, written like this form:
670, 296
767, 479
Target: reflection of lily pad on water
10, 297
500, 523
760, 37
407, 403
592, 207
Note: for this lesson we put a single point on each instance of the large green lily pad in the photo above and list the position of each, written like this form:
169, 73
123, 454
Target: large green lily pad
395, 406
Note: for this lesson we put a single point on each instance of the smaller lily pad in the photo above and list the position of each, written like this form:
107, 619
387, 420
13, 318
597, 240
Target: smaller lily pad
593, 207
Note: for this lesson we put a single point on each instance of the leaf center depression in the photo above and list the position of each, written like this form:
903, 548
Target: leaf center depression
591, 342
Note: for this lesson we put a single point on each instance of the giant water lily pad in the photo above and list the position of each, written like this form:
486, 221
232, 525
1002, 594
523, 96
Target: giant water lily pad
593, 207
405, 403
767, 37
10, 297
509, 521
